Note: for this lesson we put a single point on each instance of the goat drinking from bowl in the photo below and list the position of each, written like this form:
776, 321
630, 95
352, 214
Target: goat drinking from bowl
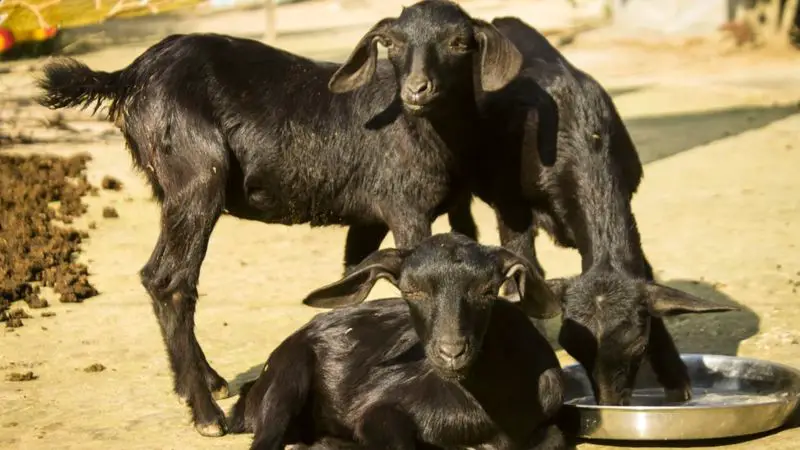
562, 145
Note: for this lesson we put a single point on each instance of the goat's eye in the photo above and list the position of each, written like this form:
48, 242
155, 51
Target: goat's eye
386, 42
459, 44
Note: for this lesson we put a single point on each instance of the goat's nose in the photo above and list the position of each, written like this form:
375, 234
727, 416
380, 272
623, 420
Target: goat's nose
452, 350
418, 85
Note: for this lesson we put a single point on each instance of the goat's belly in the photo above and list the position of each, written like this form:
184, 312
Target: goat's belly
278, 208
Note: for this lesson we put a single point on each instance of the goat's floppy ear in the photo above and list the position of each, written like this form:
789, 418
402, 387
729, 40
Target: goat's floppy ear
360, 65
666, 301
500, 60
535, 296
355, 287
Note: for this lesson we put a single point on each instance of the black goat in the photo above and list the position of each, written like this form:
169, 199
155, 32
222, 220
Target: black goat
561, 148
447, 365
567, 152
224, 124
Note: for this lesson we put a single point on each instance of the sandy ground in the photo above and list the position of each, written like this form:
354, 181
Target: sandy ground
718, 209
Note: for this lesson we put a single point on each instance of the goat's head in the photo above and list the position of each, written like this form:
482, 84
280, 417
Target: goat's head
449, 283
606, 325
433, 46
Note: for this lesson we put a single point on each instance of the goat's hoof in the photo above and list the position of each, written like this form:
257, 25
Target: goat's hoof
678, 395
214, 429
221, 392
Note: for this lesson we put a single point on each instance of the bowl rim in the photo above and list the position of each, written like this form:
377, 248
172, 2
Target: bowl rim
664, 409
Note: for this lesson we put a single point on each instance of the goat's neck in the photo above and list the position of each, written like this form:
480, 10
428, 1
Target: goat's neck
607, 234
485, 378
454, 127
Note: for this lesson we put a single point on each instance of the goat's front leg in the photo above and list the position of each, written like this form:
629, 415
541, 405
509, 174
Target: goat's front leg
170, 277
384, 427
517, 230
362, 240
460, 217
409, 228
667, 364
665, 359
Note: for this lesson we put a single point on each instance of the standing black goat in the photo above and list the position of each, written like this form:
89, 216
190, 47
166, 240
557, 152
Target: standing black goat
448, 365
224, 124
567, 151
561, 148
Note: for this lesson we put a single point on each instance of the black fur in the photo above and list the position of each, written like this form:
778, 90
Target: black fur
221, 124
579, 170
561, 149
449, 365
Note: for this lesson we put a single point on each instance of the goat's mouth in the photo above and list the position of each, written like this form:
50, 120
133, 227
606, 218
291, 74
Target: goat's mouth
416, 109
419, 106
454, 370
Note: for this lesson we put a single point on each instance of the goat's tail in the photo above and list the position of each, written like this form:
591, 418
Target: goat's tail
236, 417
67, 82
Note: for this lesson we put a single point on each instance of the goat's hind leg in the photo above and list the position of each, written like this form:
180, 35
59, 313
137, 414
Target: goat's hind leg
216, 384
190, 208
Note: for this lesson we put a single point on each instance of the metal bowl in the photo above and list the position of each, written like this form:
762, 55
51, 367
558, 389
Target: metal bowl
731, 397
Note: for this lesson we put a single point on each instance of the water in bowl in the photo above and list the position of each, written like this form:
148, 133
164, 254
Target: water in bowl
700, 397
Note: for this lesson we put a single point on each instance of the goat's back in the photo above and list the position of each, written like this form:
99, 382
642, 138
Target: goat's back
565, 108
236, 76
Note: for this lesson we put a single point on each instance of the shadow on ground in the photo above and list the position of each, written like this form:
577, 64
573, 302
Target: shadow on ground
620, 91
248, 375
717, 333
663, 136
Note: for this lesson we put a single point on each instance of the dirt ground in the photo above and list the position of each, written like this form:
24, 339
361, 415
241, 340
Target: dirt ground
718, 210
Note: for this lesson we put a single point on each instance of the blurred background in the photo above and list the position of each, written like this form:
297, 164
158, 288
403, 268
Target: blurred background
37, 27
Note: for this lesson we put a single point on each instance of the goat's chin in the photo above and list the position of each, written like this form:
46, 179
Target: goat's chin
449, 373
426, 108
417, 110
